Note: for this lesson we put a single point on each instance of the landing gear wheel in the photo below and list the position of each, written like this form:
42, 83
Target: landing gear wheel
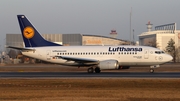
90, 70
97, 70
151, 70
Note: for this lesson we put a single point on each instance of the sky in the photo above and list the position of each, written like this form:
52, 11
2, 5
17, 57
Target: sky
96, 17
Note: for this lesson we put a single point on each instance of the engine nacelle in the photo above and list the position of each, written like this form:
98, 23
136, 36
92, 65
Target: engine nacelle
109, 64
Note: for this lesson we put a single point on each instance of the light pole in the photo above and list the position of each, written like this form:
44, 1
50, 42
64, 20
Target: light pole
130, 24
133, 38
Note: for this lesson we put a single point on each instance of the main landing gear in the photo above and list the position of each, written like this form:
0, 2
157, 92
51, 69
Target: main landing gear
97, 70
91, 70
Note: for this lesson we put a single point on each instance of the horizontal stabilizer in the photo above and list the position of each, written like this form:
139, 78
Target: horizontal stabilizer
19, 48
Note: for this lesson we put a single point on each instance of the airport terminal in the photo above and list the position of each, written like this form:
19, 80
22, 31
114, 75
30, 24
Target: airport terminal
71, 39
160, 36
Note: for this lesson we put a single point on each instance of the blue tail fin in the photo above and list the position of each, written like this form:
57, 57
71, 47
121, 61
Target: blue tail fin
30, 35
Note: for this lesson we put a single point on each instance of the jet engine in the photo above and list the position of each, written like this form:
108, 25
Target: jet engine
108, 64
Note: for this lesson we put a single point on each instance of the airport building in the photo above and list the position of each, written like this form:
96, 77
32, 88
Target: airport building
68, 40
160, 36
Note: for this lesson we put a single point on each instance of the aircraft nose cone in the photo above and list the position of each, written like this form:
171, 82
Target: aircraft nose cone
170, 58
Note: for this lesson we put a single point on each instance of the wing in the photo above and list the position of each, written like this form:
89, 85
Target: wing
82, 61
22, 49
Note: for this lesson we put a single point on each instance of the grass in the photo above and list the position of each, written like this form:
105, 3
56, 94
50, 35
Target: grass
90, 89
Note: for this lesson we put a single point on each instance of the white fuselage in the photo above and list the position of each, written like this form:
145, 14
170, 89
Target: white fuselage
125, 55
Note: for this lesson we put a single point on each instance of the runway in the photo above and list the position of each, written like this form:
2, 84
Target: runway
89, 75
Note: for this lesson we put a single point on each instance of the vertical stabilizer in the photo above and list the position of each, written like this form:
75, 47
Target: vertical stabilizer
30, 35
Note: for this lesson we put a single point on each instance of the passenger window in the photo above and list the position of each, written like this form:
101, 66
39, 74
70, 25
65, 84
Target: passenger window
158, 52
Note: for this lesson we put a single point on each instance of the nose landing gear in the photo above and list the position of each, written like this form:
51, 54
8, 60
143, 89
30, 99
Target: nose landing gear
151, 70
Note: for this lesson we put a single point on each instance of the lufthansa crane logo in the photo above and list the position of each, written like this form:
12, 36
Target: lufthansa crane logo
28, 32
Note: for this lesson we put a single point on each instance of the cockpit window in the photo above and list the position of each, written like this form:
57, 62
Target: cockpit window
159, 52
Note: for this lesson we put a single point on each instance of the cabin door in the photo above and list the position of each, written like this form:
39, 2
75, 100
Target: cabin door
146, 54
48, 55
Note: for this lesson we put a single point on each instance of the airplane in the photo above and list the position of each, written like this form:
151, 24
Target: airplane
96, 58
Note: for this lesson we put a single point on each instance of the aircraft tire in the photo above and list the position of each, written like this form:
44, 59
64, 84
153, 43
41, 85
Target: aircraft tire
90, 70
97, 70
151, 70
